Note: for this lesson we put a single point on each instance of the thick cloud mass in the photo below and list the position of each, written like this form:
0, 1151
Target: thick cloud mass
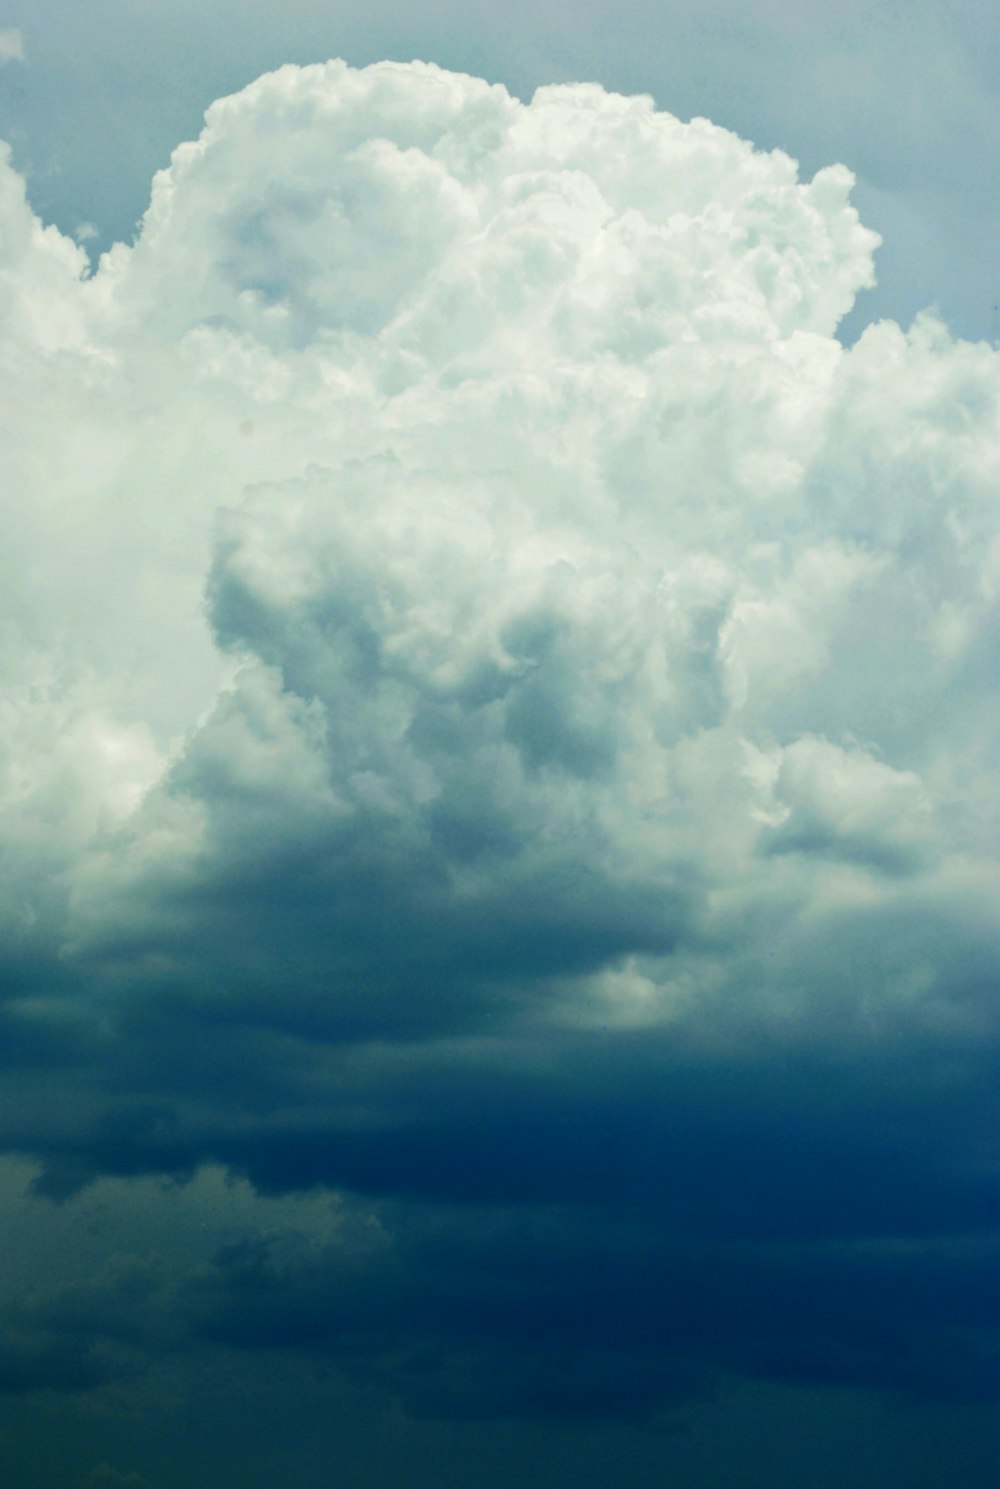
501, 720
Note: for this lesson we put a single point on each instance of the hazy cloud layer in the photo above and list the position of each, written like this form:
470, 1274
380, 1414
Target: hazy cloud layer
501, 721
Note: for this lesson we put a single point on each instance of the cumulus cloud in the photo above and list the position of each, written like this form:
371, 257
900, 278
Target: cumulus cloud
506, 679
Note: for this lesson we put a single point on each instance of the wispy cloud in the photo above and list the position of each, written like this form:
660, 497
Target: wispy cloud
11, 46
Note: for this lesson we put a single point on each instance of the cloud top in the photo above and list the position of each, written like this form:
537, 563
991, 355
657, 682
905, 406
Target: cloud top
326, 201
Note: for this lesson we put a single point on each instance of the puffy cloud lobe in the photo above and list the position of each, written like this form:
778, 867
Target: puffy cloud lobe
597, 662
326, 201
40, 271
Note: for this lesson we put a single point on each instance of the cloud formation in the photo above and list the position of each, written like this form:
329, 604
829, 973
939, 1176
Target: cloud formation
11, 46
505, 729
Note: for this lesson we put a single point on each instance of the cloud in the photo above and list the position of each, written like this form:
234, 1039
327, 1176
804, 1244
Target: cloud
507, 731
11, 46
890, 94
106, 1477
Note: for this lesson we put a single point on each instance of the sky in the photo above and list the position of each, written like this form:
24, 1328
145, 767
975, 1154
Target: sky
499, 627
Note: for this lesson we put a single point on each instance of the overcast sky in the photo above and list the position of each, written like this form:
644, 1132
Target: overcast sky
499, 620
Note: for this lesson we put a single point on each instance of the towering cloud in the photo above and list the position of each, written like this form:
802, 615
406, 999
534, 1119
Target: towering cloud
501, 724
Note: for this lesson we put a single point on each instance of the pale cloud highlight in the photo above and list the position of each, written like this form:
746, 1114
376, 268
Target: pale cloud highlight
11, 46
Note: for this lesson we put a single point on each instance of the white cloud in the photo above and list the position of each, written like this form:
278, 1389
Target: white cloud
11, 46
564, 551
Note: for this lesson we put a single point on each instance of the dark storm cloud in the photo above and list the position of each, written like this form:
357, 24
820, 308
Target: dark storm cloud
588, 1307
624, 1217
